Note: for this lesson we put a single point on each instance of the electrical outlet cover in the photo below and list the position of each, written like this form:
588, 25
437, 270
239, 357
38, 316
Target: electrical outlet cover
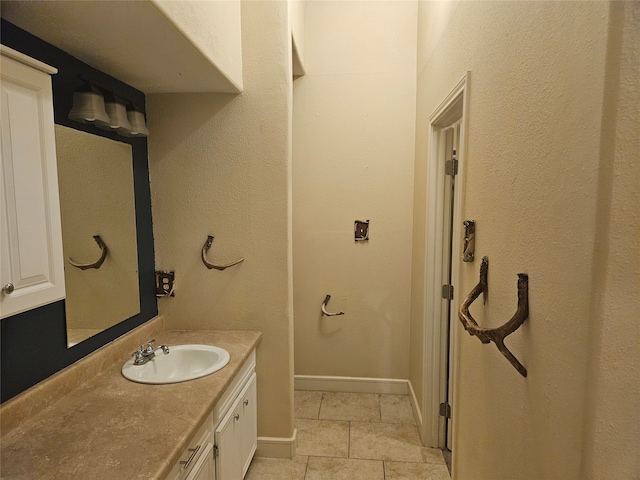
361, 230
164, 283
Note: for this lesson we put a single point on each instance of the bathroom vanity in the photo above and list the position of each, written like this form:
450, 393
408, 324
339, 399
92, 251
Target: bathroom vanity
224, 444
91, 422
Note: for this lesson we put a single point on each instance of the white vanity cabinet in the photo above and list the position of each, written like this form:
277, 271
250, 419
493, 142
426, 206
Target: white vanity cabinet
31, 259
225, 443
236, 435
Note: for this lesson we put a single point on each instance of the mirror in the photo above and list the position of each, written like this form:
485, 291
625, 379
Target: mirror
95, 178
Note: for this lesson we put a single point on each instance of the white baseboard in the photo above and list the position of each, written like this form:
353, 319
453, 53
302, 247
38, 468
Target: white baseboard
417, 414
277, 447
351, 384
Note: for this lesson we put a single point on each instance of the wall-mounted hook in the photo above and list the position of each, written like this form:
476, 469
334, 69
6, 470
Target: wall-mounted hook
497, 335
324, 309
484, 279
206, 247
85, 266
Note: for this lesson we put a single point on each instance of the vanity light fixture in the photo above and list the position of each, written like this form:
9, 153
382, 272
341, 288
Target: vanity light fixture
88, 106
117, 110
136, 119
100, 105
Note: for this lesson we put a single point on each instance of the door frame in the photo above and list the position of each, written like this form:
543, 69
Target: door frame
434, 382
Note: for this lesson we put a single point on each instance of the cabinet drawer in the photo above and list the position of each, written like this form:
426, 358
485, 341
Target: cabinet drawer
204, 468
194, 451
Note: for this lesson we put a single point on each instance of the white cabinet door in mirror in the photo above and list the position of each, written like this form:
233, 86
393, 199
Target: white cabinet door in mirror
31, 261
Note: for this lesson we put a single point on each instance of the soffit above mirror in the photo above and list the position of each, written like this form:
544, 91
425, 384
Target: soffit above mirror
154, 45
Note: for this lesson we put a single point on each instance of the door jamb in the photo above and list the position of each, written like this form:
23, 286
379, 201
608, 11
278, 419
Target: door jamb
435, 353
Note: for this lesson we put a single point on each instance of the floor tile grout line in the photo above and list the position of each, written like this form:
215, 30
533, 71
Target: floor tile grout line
350, 421
306, 468
320, 406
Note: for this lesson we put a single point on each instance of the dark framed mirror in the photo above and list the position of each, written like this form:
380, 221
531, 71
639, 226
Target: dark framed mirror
44, 330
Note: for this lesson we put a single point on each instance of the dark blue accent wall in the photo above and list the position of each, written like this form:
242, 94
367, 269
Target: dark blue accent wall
33, 345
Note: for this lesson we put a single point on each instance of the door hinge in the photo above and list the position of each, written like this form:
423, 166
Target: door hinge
451, 167
445, 410
215, 452
447, 292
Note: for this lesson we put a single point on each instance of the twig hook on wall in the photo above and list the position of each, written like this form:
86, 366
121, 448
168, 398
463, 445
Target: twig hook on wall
497, 335
324, 308
99, 262
209, 265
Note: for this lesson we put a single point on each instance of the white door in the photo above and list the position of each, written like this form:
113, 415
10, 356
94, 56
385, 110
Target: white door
451, 138
443, 245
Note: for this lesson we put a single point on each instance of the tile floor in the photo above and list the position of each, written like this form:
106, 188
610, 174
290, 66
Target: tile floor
354, 436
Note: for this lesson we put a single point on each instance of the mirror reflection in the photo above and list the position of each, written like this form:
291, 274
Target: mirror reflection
95, 176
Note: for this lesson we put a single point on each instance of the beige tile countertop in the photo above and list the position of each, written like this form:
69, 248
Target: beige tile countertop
110, 428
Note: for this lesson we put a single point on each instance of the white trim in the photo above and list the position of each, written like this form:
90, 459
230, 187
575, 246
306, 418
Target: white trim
456, 331
351, 384
417, 414
26, 60
434, 354
277, 447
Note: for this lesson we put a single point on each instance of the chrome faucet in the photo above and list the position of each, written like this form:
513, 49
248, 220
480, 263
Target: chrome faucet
143, 355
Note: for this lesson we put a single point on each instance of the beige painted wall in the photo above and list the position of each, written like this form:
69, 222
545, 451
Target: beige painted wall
353, 137
535, 172
220, 164
612, 413
297, 14
218, 38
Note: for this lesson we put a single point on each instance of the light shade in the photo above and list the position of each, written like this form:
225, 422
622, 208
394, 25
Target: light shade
117, 114
88, 106
138, 125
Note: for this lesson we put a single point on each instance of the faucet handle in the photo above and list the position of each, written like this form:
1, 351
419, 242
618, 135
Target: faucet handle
138, 354
150, 345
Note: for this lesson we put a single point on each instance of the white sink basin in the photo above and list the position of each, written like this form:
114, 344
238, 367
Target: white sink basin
182, 363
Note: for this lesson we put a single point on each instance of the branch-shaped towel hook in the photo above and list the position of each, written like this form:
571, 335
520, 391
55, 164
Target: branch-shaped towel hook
497, 335
324, 309
206, 247
85, 266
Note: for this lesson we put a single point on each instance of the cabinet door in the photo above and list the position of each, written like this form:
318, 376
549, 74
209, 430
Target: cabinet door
248, 423
31, 238
204, 467
228, 443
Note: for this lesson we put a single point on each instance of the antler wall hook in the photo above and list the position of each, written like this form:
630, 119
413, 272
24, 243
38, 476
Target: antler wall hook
209, 265
324, 308
85, 266
497, 335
